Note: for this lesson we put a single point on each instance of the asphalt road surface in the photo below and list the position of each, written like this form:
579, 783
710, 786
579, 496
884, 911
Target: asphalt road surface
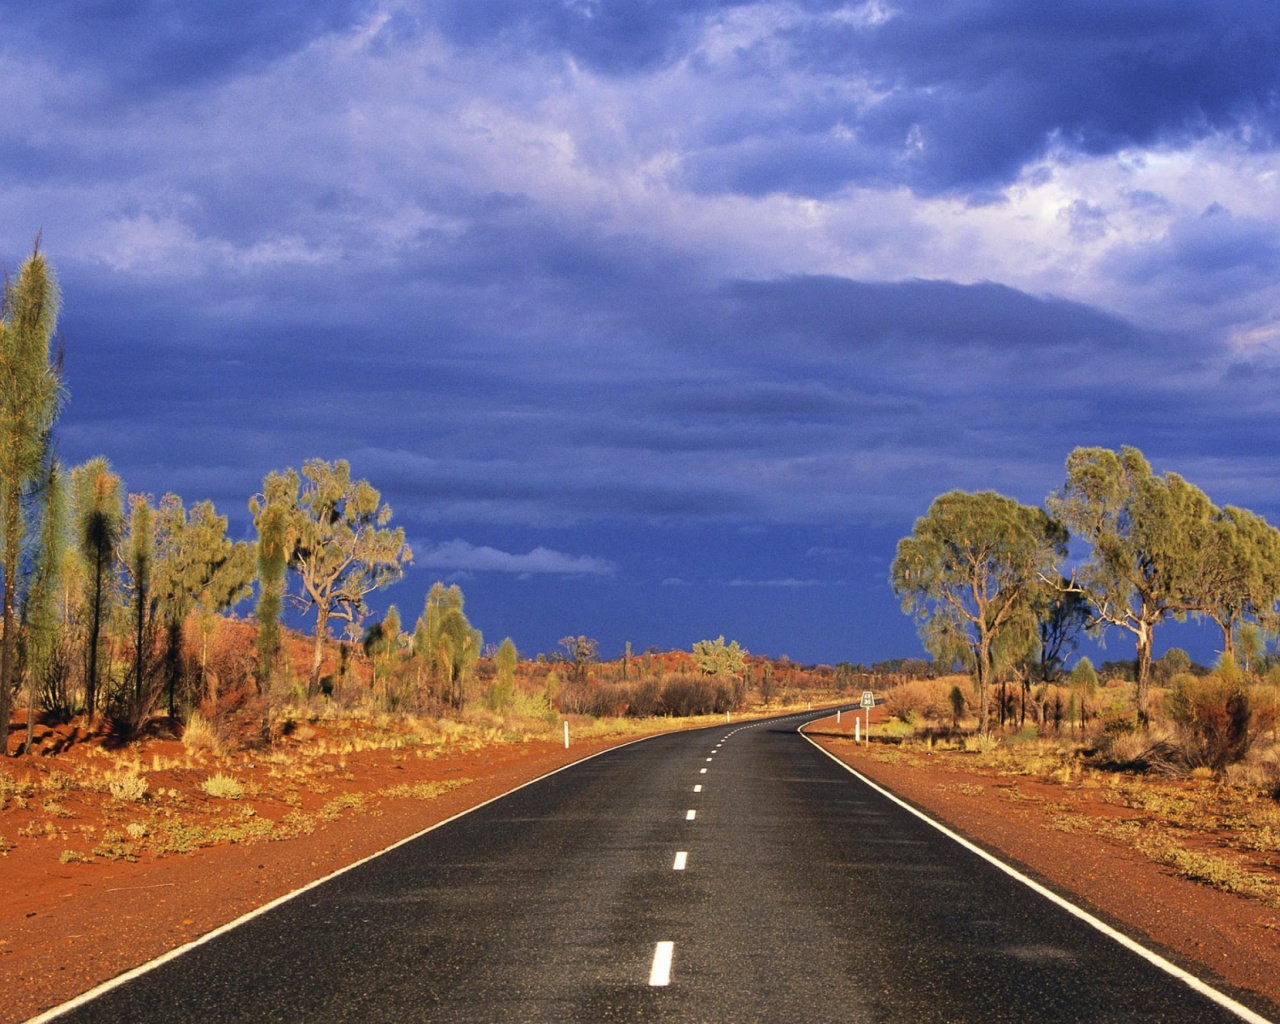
731, 875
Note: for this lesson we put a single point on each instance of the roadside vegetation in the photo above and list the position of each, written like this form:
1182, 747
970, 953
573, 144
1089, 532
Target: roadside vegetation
1185, 759
1194, 790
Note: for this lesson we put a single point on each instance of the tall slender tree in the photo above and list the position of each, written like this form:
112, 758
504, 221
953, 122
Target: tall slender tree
273, 519
503, 689
44, 630
31, 394
139, 563
98, 519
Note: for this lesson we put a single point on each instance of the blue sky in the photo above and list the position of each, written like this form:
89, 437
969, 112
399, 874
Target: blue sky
656, 321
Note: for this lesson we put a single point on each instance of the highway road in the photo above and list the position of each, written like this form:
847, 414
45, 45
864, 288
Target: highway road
733, 874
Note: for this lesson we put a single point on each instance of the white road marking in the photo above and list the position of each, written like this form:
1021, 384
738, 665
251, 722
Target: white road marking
702, 771
708, 759
660, 972
698, 788
1188, 979
690, 815
682, 858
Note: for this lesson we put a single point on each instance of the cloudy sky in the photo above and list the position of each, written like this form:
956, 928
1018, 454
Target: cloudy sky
656, 320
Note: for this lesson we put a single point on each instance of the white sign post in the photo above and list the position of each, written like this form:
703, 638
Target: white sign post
868, 702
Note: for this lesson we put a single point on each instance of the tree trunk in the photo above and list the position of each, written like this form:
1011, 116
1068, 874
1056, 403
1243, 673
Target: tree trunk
984, 701
317, 653
173, 661
140, 625
6, 658
95, 630
1144, 674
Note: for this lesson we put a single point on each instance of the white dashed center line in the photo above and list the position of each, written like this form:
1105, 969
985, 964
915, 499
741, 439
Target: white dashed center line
702, 771
698, 788
682, 858
660, 972
690, 815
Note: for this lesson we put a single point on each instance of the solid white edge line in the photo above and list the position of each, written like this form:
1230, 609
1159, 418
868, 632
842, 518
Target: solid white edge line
173, 954
660, 972
1188, 979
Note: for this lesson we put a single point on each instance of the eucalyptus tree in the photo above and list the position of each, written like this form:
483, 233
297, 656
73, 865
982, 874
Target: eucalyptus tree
1150, 536
968, 573
98, 518
1240, 572
718, 659
31, 394
342, 549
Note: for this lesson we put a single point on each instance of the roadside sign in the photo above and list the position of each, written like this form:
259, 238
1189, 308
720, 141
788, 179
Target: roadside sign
868, 699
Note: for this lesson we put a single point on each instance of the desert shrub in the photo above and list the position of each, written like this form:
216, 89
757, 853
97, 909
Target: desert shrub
223, 787
127, 786
929, 699
234, 720
1115, 720
1214, 720
532, 705
1053, 705
689, 695
200, 734
595, 700
646, 698
1264, 702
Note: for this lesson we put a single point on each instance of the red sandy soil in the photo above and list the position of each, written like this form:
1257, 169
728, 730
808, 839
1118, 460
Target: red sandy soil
67, 926
1236, 938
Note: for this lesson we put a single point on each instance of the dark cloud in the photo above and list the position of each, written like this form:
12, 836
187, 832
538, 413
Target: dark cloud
961, 95
856, 314
612, 36
147, 47
541, 308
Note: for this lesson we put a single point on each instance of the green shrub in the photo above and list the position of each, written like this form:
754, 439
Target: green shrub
1214, 720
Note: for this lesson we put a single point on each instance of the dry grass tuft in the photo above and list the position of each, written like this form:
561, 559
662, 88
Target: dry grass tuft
223, 787
128, 786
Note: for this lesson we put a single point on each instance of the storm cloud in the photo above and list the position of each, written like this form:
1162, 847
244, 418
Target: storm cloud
604, 294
